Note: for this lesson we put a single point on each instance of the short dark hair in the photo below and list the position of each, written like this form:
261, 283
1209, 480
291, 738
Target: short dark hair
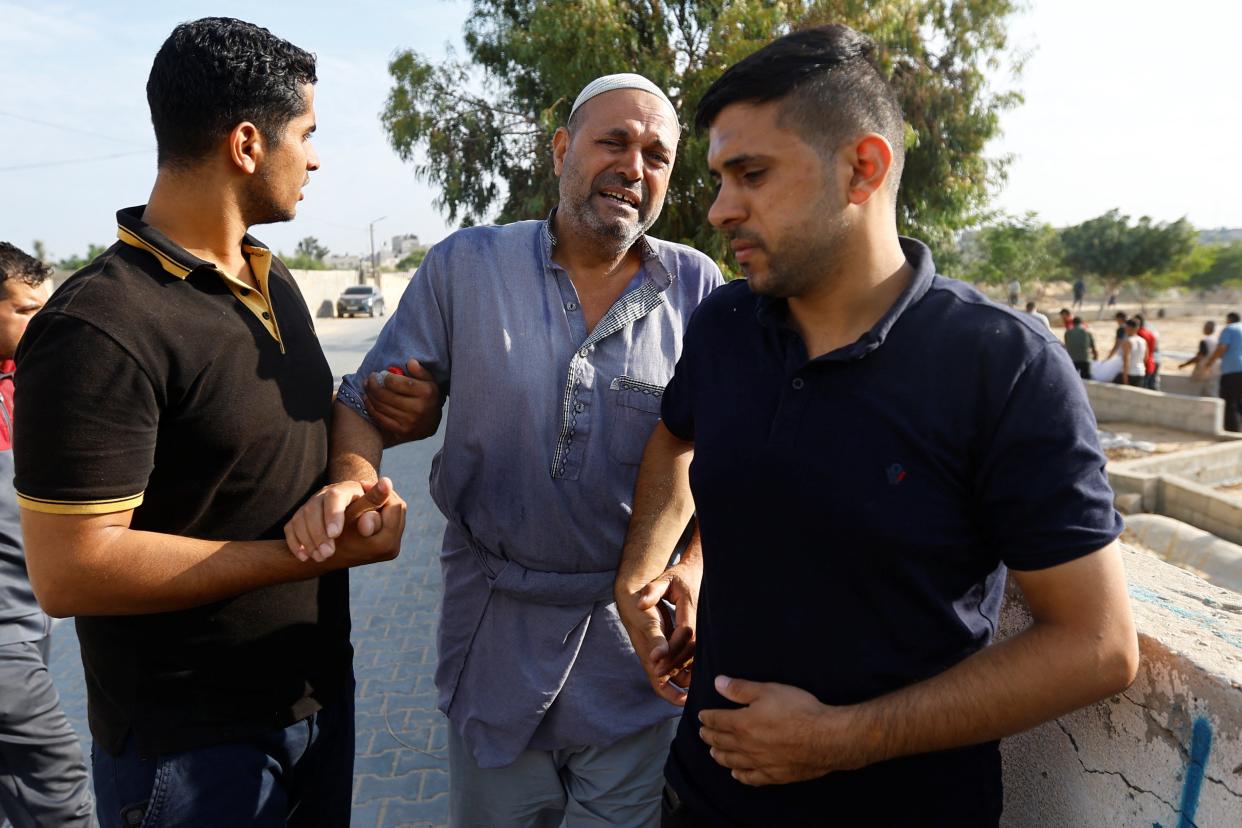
829, 84
1065, 312
1119, 315
1030, 306
212, 74
1132, 323
1077, 320
17, 264
1232, 318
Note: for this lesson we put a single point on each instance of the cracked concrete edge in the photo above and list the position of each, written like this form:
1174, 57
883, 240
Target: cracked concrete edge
1125, 761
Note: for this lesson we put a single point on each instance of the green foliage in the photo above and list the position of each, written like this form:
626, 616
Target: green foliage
1221, 267
1021, 248
311, 248
78, 262
1142, 254
40, 250
412, 260
485, 124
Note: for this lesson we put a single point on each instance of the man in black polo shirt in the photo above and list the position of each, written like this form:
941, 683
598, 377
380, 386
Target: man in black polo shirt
873, 447
174, 415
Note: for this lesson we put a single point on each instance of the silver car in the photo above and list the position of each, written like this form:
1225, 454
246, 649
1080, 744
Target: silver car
360, 299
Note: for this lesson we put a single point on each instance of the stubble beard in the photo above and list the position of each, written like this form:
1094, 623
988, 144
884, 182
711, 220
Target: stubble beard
806, 254
619, 234
262, 204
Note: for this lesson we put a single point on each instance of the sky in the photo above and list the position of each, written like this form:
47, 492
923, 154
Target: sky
1128, 105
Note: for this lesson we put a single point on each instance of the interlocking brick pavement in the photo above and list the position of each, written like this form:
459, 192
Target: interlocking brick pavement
401, 766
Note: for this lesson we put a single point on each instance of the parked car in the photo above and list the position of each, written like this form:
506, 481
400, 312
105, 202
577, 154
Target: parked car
360, 299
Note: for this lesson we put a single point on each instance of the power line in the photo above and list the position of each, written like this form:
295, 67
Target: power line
68, 128
67, 161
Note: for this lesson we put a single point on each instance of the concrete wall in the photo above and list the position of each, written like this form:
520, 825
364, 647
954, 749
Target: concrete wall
1122, 403
1209, 465
1212, 558
1167, 752
321, 287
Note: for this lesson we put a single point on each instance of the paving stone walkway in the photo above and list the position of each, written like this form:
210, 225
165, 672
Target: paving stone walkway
401, 766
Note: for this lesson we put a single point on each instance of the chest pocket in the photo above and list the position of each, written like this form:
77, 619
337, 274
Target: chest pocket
635, 412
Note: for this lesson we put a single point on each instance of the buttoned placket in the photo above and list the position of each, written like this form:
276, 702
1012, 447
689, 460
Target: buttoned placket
577, 416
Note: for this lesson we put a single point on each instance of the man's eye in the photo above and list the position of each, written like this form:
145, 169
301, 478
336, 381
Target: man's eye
753, 175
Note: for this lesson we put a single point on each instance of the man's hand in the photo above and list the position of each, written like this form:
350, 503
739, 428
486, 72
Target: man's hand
664, 648
312, 532
405, 407
782, 735
353, 548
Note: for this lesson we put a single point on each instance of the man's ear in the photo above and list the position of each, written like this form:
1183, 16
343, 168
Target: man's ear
245, 146
871, 158
560, 146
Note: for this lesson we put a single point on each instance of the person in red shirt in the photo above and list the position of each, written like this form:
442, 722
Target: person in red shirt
1151, 361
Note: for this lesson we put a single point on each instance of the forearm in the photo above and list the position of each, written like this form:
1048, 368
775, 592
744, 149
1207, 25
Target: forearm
115, 570
663, 506
355, 447
1043, 673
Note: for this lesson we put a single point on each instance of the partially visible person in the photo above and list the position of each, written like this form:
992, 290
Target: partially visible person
43, 776
1030, 309
1080, 291
1133, 357
1120, 319
1229, 353
1206, 374
174, 414
1081, 346
860, 513
1067, 318
1151, 359
1015, 291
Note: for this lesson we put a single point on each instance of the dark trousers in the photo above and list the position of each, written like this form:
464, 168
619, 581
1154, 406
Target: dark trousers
43, 777
1084, 369
301, 775
1231, 393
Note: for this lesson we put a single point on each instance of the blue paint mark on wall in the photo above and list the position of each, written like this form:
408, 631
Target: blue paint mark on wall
1200, 747
1203, 619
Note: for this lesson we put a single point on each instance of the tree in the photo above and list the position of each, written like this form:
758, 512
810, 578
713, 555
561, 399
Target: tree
412, 259
1021, 248
311, 248
40, 250
308, 255
79, 262
1118, 252
1222, 267
485, 124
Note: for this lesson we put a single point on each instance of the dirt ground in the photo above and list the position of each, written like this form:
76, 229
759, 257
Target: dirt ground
1166, 440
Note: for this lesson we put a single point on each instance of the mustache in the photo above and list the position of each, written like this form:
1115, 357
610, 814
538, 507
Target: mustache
741, 234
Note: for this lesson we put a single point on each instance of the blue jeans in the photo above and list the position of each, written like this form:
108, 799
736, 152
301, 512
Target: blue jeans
301, 775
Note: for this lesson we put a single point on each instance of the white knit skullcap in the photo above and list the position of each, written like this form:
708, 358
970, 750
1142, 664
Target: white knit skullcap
624, 80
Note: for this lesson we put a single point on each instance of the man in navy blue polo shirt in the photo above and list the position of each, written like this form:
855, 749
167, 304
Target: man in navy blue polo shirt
874, 447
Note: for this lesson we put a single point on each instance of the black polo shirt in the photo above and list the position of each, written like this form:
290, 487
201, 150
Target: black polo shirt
153, 381
858, 512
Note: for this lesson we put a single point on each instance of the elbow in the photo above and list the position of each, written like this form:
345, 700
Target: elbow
1120, 663
55, 600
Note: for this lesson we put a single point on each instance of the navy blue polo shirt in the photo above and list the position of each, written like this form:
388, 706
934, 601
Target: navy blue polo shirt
858, 512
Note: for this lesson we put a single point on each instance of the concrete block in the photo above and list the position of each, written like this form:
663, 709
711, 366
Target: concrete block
1129, 504
1165, 752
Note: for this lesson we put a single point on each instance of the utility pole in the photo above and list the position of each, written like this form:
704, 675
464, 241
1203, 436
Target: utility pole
371, 228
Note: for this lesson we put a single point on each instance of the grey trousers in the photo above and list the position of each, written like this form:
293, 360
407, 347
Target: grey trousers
619, 785
43, 777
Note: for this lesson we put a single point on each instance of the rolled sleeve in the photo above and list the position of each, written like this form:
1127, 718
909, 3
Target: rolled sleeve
1045, 497
419, 329
85, 440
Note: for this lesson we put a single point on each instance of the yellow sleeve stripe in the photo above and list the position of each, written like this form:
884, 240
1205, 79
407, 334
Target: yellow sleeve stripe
80, 507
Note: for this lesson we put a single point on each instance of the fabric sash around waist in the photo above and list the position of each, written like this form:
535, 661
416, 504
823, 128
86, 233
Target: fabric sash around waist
537, 586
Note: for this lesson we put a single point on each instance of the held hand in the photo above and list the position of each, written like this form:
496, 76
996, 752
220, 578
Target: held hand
665, 647
782, 734
372, 532
405, 407
312, 532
